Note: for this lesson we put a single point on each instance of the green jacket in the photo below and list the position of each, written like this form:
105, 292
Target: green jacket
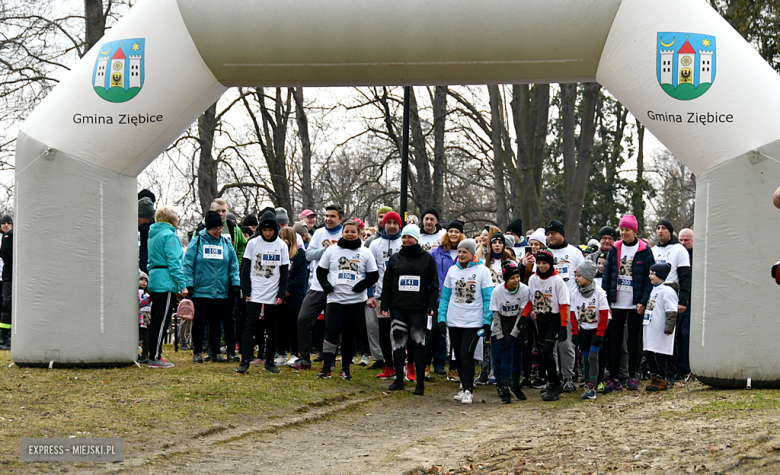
165, 259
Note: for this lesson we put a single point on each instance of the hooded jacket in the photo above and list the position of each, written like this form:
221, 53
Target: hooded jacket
640, 272
211, 278
443, 263
267, 221
411, 261
165, 259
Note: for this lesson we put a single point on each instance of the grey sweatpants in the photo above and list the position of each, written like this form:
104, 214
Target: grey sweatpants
313, 305
372, 328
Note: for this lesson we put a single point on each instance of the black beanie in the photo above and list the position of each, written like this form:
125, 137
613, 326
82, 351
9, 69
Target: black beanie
509, 269
250, 220
516, 227
668, 224
545, 255
145, 208
554, 225
213, 220
498, 236
147, 194
457, 224
432, 211
661, 270
7, 219
607, 231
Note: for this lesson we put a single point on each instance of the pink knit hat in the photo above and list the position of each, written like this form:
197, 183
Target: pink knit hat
629, 222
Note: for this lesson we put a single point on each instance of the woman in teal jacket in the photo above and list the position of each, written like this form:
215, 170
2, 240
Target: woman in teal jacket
165, 279
211, 271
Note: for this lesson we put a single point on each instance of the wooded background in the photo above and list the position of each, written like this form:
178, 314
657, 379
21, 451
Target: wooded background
484, 154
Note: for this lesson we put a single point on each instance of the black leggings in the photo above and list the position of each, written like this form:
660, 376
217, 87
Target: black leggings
253, 326
549, 328
288, 329
341, 320
213, 312
162, 309
403, 324
621, 316
460, 340
528, 355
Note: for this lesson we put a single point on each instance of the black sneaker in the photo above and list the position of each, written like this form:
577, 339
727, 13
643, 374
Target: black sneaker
419, 390
553, 393
207, 357
197, 358
218, 359
483, 378
271, 368
398, 385
525, 383
232, 357
377, 365
323, 375
243, 367
345, 374
506, 396
518, 392
538, 384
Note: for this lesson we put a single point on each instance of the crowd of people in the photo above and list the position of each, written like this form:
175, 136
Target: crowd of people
527, 307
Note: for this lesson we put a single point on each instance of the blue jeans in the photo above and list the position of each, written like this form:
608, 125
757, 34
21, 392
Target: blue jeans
507, 362
683, 342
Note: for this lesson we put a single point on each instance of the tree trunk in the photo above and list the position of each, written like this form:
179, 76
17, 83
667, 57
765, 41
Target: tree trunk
95, 23
530, 107
497, 130
421, 187
575, 195
439, 158
303, 134
637, 201
207, 166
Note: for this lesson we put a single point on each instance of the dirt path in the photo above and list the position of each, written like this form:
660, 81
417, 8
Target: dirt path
680, 431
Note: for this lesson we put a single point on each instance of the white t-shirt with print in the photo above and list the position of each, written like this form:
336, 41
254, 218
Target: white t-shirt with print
347, 267
318, 242
495, 272
676, 255
429, 242
266, 258
566, 261
662, 299
383, 249
507, 303
547, 295
465, 309
588, 309
624, 296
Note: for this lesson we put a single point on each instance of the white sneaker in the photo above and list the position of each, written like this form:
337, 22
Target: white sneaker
280, 360
364, 360
467, 397
292, 360
459, 396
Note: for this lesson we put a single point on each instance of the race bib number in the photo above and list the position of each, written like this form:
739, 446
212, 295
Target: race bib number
510, 309
271, 259
646, 320
625, 282
346, 277
212, 252
409, 283
228, 237
563, 270
648, 312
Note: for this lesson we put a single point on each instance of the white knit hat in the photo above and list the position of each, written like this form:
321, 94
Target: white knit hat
539, 235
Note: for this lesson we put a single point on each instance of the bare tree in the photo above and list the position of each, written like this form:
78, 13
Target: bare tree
303, 133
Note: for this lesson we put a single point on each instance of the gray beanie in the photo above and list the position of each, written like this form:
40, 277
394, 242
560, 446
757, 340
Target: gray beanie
142, 275
587, 269
281, 216
469, 245
145, 208
510, 240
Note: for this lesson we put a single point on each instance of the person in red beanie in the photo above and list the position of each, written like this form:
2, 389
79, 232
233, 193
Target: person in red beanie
383, 247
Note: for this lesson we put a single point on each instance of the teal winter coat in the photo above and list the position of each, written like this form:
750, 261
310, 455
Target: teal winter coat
211, 278
165, 259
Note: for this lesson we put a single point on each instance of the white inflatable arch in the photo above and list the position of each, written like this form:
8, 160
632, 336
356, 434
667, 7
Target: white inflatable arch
676, 64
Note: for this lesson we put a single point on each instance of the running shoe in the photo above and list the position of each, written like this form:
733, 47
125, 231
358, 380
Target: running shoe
257, 361
467, 397
569, 386
291, 361
483, 378
491, 380
410, 373
453, 376
345, 374
553, 393
161, 363
459, 396
633, 385
590, 392
197, 358
232, 358
612, 385
538, 384
301, 363
518, 392
243, 367
600, 388
428, 376
323, 375
397, 385
364, 360
387, 373
218, 359
280, 360
525, 383
272, 368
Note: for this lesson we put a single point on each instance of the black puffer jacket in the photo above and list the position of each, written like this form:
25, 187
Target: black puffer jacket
411, 261
640, 271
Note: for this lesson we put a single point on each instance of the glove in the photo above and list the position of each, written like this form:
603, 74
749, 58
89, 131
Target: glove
575, 339
563, 334
190, 291
597, 341
487, 329
443, 328
327, 288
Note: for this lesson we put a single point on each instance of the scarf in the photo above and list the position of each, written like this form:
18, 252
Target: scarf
354, 244
334, 230
587, 291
